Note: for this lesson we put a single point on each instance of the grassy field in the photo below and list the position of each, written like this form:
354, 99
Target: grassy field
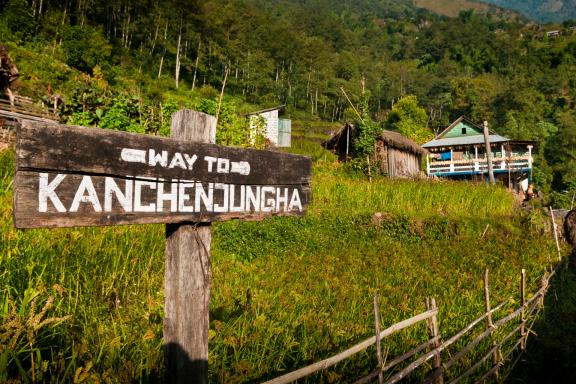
86, 304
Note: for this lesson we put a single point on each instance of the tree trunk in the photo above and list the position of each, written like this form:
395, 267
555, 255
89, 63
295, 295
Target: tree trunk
177, 74
161, 63
196, 64
154, 41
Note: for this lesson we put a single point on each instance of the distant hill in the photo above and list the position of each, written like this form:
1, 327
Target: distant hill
452, 8
541, 10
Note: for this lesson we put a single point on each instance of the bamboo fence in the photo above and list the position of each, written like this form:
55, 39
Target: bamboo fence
433, 347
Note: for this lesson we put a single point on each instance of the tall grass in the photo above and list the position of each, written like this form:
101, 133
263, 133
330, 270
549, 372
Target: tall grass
286, 292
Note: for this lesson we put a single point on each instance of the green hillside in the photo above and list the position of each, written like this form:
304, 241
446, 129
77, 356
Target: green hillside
125, 65
85, 305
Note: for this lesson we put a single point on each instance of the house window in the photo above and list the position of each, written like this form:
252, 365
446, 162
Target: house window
464, 130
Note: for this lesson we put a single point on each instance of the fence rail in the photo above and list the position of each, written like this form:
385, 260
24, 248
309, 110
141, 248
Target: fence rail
516, 163
434, 346
23, 109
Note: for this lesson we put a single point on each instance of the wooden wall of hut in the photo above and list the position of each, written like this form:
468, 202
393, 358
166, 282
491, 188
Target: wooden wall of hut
396, 163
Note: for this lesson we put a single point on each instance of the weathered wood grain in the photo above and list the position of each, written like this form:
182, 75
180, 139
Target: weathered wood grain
188, 278
99, 151
27, 212
76, 176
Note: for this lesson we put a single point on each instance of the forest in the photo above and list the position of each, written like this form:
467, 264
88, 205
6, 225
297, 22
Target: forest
128, 64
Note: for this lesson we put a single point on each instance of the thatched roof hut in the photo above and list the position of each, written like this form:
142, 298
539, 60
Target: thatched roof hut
395, 155
402, 143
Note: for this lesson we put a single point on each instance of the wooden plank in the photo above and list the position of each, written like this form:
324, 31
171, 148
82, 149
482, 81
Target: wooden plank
46, 199
25, 116
555, 230
188, 278
372, 375
112, 153
489, 324
76, 176
434, 334
378, 340
302, 372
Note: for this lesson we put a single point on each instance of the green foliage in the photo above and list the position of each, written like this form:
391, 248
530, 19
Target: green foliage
19, 20
286, 292
84, 47
411, 120
167, 110
121, 115
367, 132
232, 129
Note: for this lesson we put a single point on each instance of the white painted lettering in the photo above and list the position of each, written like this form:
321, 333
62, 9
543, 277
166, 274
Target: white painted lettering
252, 198
295, 201
47, 191
223, 166
133, 155
206, 198
225, 201
177, 161
86, 194
239, 208
184, 197
124, 198
157, 158
190, 160
242, 167
281, 199
267, 204
172, 196
138, 184
210, 160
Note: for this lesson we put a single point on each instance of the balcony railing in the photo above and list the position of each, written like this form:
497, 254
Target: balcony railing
479, 166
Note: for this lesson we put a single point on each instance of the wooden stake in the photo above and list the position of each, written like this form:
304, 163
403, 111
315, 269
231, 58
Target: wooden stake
369, 170
490, 326
437, 375
522, 303
352, 105
348, 127
555, 229
488, 153
226, 73
378, 346
187, 278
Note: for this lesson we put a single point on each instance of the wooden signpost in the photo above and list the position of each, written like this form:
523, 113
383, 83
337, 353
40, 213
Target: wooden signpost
76, 176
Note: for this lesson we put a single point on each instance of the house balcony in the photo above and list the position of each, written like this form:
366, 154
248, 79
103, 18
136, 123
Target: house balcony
479, 166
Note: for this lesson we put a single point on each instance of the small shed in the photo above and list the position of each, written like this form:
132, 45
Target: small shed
398, 156
278, 130
395, 155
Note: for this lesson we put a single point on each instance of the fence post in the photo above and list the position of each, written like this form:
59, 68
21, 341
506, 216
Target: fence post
490, 327
437, 375
187, 278
378, 346
555, 229
522, 314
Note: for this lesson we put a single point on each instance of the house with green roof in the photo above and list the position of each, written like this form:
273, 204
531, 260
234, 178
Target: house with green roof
459, 152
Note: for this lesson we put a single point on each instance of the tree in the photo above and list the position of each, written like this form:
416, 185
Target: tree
19, 18
84, 47
408, 118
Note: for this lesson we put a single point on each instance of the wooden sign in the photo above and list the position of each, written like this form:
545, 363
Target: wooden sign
77, 176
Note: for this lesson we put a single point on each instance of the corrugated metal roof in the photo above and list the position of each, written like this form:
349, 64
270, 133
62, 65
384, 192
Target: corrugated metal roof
464, 140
